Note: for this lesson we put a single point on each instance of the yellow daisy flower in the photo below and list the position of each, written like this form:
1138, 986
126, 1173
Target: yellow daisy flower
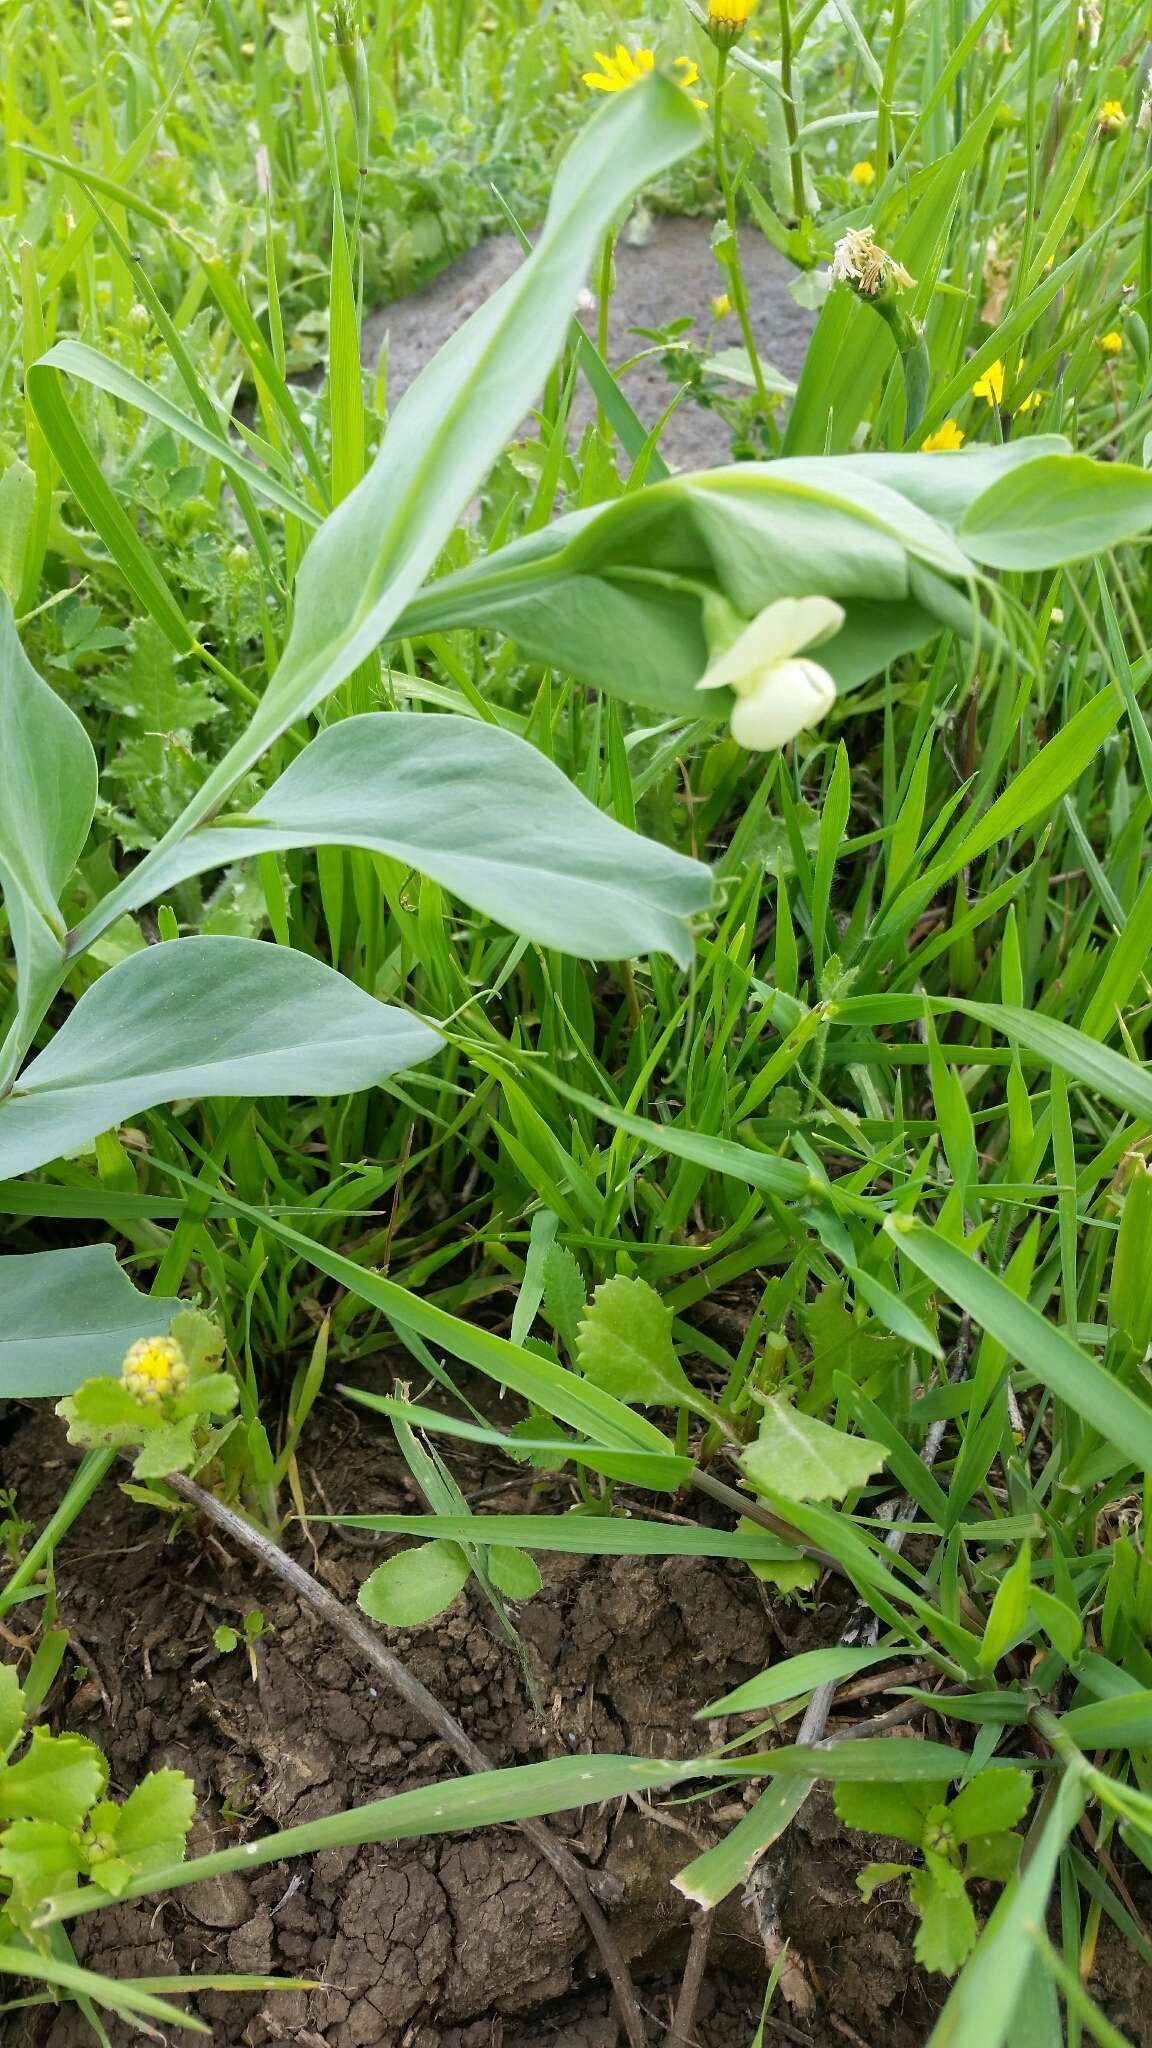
1111, 117
946, 438
1110, 344
863, 174
990, 386
627, 67
730, 15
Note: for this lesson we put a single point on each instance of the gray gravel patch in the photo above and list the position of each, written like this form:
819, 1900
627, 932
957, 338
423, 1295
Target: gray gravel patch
671, 274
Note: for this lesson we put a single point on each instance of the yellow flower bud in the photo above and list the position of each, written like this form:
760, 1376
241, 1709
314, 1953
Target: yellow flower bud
863, 174
154, 1368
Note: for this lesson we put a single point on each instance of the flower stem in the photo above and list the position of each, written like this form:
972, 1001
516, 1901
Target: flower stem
732, 264
791, 123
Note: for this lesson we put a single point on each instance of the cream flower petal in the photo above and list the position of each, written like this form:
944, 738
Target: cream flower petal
781, 630
786, 699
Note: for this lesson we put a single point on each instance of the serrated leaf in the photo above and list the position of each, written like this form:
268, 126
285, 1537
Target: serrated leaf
874, 1875
216, 1394
103, 1411
416, 1585
200, 1339
11, 1709
995, 1857
153, 1824
896, 1809
805, 1459
38, 1857
515, 1573
994, 1799
624, 1345
947, 1923
58, 1778
565, 1295
171, 1448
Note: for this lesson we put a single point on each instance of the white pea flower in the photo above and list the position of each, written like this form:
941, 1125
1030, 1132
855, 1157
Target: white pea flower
778, 690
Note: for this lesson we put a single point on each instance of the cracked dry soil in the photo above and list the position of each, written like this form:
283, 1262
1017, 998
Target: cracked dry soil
457, 1941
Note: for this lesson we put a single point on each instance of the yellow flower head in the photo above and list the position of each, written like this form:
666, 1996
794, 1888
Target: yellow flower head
1111, 117
728, 19
154, 1368
944, 440
1110, 344
721, 306
991, 385
863, 174
627, 67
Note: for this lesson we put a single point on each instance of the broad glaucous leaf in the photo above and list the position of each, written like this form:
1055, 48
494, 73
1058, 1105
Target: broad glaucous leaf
485, 814
625, 1345
1060, 509
581, 594
892, 538
802, 1458
47, 798
416, 1585
68, 1316
202, 1016
374, 550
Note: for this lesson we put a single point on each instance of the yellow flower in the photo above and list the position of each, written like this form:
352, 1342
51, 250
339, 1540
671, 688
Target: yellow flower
727, 19
1030, 403
1110, 344
627, 67
944, 440
991, 385
617, 73
721, 306
153, 1368
863, 173
1111, 117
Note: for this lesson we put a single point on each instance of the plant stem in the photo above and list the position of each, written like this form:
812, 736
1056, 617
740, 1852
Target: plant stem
85, 1480
791, 124
888, 92
732, 258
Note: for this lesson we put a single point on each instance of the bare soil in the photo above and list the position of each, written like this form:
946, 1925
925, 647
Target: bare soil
462, 1941
670, 275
